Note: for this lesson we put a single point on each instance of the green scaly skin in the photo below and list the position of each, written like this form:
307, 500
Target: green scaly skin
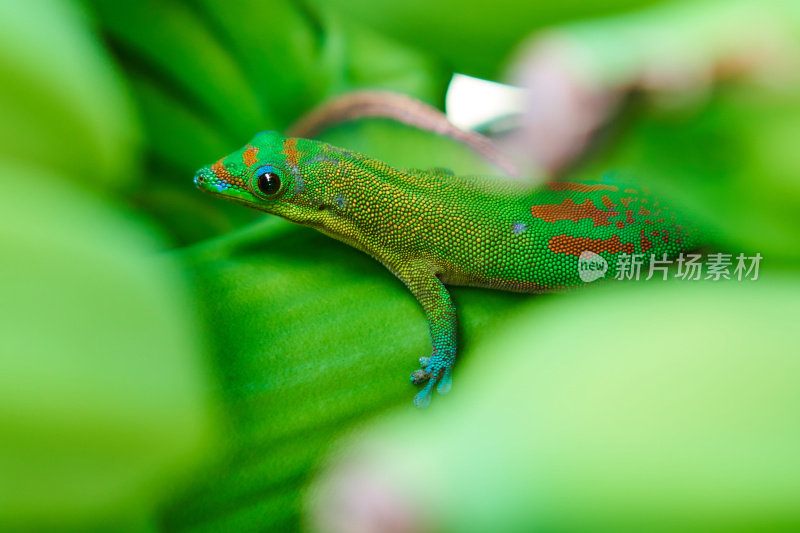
431, 228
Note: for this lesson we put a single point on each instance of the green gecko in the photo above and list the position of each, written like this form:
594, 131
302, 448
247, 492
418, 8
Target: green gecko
431, 228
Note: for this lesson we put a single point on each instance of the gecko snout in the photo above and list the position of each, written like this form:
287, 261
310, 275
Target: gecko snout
200, 177
208, 181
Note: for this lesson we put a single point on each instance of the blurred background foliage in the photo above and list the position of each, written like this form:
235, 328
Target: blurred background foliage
172, 362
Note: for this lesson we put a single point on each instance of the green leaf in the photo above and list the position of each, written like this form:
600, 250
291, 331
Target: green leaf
474, 39
103, 396
311, 337
182, 52
83, 129
104, 403
664, 407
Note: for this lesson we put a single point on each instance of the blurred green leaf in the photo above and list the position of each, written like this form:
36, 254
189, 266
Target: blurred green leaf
182, 51
289, 54
71, 116
664, 407
104, 404
374, 61
102, 399
406, 147
474, 39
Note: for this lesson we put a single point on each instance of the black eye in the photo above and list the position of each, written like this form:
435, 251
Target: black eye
268, 181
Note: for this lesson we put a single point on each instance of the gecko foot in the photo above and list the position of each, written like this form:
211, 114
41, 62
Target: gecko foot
418, 377
438, 375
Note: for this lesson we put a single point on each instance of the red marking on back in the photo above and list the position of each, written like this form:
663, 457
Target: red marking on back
290, 151
569, 210
644, 241
567, 244
632, 191
644, 212
625, 201
580, 187
620, 224
629, 217
610, 205
665, 237
250, 156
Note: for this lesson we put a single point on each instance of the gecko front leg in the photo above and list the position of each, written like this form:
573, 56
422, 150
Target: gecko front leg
421, 279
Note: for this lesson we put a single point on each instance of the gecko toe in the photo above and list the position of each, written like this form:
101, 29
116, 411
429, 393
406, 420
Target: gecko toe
418, 377
423, 397
441, 378
436, 372
446, 382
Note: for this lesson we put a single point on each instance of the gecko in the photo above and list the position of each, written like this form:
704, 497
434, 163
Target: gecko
432, 228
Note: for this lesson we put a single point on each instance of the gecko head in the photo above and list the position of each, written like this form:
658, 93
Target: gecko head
260, 175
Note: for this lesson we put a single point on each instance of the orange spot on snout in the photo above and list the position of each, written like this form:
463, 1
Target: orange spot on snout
221, 172
250, 156
224, 174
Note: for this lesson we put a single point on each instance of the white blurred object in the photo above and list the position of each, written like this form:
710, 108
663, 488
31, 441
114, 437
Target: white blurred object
472, 102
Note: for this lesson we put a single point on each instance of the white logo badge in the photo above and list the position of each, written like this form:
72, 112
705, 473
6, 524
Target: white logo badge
591, 266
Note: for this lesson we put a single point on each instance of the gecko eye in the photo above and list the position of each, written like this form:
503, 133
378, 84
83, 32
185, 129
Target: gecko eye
267, 180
